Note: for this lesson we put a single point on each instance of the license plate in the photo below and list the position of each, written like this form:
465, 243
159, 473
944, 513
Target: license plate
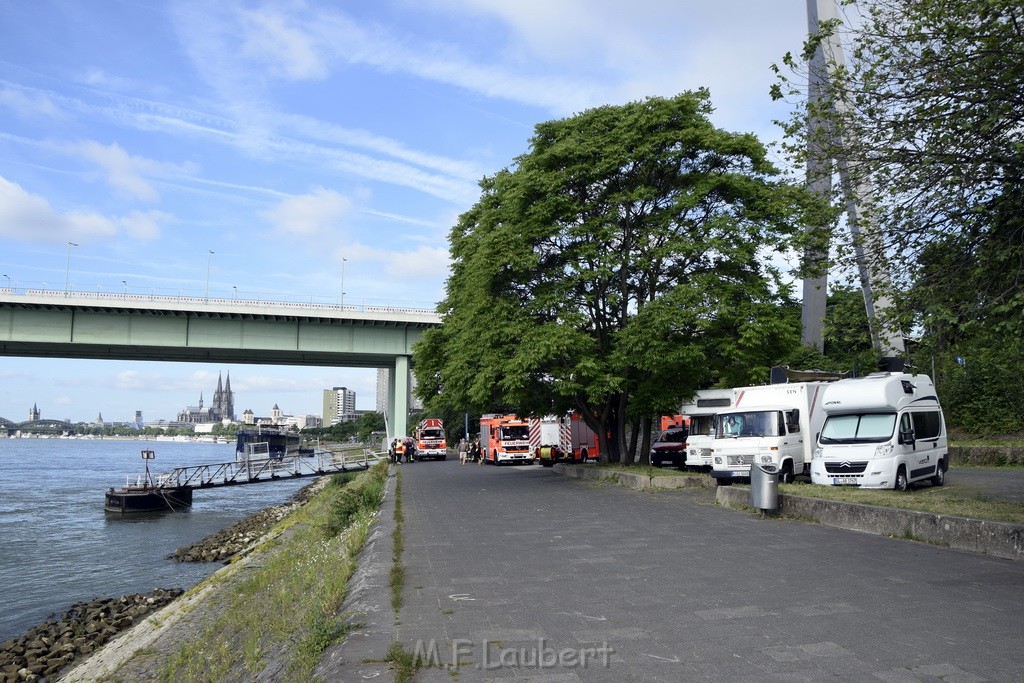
741, 474
843, 481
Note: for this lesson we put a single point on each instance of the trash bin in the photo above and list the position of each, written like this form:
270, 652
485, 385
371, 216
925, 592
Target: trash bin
764, 487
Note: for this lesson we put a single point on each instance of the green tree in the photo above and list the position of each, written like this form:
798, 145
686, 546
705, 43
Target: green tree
928, 110
369, 423
624, 262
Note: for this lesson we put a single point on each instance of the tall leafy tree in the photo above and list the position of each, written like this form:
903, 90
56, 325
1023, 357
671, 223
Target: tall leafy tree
622, 263
928, 110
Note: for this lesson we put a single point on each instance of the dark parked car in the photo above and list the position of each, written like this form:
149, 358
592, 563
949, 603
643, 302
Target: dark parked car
670, 448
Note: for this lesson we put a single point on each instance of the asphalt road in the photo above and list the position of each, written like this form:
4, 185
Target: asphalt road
516, 573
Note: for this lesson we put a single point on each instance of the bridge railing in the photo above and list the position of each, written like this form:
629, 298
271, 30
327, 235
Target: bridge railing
239, 300
267, 469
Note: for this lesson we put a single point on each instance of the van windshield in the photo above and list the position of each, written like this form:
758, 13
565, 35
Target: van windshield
752, 423
703, 425
861, 428
515, 433
673, 436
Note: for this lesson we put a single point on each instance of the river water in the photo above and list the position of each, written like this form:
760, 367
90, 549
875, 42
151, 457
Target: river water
58, 546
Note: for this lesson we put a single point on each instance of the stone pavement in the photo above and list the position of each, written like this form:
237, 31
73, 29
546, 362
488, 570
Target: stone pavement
514, 573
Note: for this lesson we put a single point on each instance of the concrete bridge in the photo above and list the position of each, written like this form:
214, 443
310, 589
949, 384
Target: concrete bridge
59, 324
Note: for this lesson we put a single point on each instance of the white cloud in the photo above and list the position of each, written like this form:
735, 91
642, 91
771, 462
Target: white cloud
29, 105
315, 215
27, 217
286, 50
427, 263
126, 173
144, 225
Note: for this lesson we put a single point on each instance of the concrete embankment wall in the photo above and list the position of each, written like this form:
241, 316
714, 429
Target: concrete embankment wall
635, 481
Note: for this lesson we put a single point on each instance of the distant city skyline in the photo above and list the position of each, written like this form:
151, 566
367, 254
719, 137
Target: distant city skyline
161, 390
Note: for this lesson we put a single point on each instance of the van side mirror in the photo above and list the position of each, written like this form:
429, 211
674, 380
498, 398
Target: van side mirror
907, 437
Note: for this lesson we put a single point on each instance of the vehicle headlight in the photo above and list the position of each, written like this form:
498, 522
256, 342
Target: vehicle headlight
883, 451
766, 459
816, 454
718, 460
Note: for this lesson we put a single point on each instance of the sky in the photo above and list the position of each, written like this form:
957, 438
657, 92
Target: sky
298, 149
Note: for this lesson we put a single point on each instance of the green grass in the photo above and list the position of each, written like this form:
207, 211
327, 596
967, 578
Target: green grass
294, 598
945, 500
397, 579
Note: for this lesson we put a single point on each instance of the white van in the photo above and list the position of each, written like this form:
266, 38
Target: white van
775, 425
702, 411
882, 431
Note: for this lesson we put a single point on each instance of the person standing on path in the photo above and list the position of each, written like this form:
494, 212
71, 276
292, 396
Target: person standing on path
463, 450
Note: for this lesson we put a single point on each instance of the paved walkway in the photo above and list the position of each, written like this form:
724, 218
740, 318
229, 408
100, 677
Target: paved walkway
520, 574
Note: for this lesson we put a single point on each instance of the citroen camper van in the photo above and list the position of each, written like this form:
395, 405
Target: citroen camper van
881, 431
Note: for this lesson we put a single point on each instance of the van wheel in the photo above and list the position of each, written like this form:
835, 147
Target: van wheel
940, 476
901, 479
786, 474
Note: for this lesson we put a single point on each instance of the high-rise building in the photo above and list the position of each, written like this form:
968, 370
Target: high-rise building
339, 405
383, 377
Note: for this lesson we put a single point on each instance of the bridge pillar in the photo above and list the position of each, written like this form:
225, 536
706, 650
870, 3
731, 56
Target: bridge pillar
398, 397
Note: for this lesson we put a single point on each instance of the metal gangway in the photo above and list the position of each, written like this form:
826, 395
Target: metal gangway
251, 470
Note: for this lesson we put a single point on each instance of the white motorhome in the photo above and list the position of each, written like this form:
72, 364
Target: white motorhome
702, 411
774, 425
884, 430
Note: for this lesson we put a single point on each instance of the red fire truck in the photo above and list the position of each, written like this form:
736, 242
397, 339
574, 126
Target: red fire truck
565, 438
505, 438
430, 441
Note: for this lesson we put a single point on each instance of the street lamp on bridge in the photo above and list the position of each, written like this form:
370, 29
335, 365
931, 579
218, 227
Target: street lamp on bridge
67, 268
208, 258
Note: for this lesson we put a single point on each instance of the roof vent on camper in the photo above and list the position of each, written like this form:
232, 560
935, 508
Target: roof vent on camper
782, 374
908, 388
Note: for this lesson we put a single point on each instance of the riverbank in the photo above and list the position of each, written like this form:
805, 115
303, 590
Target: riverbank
85, 627
269, 613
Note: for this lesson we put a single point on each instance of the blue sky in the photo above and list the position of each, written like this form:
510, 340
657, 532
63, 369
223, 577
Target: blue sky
310, 146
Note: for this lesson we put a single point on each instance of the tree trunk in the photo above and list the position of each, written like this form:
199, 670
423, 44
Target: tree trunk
645, 441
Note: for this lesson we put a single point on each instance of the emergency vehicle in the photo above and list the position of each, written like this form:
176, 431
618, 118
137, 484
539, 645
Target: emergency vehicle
565, 438
505, 438
430, 440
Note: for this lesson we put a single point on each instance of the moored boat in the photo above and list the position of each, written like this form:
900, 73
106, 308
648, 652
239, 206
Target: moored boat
147, 493
267, 442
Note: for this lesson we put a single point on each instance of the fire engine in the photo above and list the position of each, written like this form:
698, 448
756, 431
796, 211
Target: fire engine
565, 438
505, 438
670, 421
430, 441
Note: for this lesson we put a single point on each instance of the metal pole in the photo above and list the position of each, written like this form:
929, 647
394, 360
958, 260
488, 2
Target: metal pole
67, 268
208, 259
343, 262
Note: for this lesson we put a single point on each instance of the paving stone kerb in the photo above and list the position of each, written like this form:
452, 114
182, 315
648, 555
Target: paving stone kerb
1000, 539
634, 481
